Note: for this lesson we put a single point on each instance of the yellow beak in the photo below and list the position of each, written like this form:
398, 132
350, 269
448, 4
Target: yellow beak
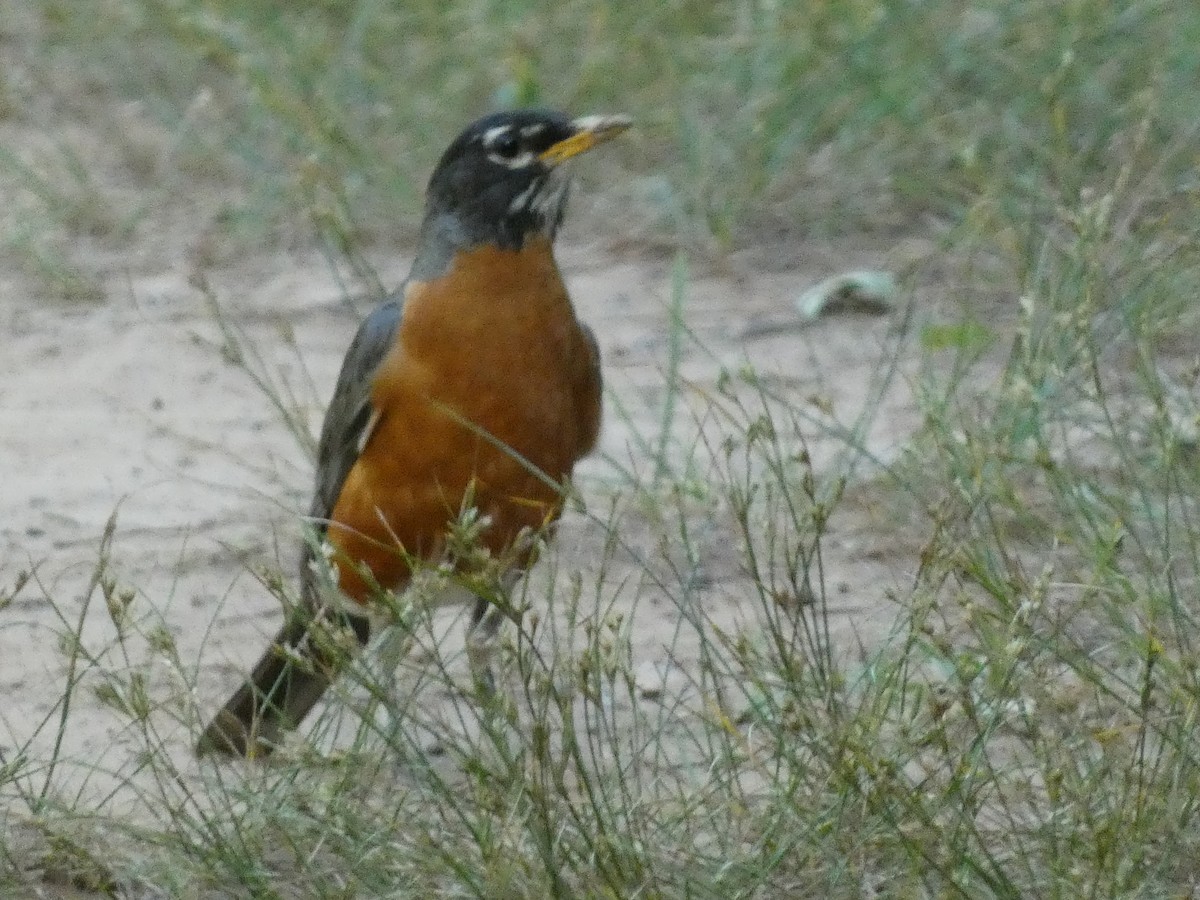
589, 132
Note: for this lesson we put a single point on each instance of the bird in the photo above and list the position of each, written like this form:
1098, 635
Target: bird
472, 391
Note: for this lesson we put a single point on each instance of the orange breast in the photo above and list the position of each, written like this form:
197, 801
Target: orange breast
482, 387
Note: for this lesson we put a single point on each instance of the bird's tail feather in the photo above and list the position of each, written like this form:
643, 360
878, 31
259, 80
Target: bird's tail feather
287, 682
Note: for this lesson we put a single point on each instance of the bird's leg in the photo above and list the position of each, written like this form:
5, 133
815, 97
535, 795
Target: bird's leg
394, 645
396, 609
483, 632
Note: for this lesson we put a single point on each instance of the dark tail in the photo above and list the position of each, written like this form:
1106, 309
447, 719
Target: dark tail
295, 671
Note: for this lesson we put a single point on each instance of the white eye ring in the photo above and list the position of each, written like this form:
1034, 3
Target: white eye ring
504, 146
513, 162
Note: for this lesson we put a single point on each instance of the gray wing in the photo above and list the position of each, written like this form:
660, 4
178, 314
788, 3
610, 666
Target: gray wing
349, 416
589, 389
280, 692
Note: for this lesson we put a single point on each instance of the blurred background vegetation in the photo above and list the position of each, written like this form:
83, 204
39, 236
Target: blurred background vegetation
758, 119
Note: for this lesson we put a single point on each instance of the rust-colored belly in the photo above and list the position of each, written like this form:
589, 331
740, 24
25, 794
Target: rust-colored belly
479, 404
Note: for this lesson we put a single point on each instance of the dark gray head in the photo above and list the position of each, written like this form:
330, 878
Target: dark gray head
503, 180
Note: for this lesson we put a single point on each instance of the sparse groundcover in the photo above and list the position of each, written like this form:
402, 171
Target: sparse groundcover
885, 602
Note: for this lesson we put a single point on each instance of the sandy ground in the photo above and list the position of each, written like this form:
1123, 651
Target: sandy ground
129, 408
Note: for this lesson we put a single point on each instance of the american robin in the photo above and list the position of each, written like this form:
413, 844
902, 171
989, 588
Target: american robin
474, 389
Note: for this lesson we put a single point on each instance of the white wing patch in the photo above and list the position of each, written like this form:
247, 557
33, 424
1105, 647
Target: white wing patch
367, 431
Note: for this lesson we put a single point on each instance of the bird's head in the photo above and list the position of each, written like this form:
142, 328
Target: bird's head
504, 179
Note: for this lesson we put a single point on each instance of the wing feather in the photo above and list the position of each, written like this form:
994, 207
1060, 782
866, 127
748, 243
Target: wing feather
351, 417
589, 387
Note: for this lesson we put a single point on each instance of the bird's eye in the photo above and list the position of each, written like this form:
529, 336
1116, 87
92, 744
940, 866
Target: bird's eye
506, 145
